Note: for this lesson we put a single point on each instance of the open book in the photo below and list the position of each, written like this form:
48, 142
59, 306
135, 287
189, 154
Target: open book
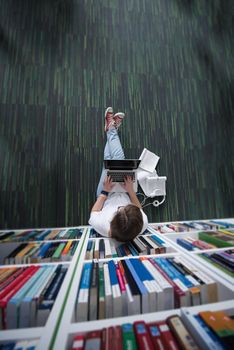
149, 160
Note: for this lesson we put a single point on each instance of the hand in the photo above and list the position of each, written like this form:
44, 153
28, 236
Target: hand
107, 184
128, 184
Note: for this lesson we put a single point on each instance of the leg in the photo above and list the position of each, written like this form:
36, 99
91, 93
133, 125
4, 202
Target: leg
115, 147
113, 150
107, 155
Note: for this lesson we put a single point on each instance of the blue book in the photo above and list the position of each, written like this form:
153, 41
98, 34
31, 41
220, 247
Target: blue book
222, 223
43, 235
112, 272
121, 250
145, 307
174, 273
157, 239
27, 313
185, 244
53, 291
31, 234
83, 295
209, 333
142, 272
132, 249
43, 249
8, 346
89, 245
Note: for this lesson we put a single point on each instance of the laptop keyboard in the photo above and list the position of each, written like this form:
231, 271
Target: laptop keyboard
119, 176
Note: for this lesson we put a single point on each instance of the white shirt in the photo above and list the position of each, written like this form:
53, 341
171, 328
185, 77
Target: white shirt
100, 220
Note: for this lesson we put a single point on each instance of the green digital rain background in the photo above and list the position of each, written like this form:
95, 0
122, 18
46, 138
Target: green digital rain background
168, 64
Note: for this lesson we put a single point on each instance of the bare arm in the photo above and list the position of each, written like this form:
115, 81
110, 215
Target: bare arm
98, 205
107, 185
128, 185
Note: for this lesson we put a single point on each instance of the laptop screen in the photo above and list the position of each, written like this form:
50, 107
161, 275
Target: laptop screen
123, 164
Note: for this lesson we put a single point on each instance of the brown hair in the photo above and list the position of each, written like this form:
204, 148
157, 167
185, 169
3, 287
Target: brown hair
127, 223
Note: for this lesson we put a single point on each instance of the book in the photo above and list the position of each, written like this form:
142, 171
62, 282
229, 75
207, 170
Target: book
93, 340
108, 252
149, 161
168, 340
180, 332
101, 293
48, 296
133, 292
180, 297
129, 339
142, 336
155, 293
13, 305
108, 292
218, 239
78, 342
28, 305
156, 336
208, 287
221, 324
203, 335
101, 249
122, 286
145, 305
93, 293
167, 294
116, 293
83, 295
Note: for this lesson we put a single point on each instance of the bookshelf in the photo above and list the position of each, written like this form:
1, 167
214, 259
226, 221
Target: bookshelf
62, 325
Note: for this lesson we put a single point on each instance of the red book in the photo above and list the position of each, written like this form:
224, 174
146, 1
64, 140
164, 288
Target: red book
11, 278
103, 341
93, 340
142, 335
156, 336
78, 342
15, 286
118, 344
168, 339
11, 287
120, 278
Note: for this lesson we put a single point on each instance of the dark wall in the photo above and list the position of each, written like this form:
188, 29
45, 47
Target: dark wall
167, 64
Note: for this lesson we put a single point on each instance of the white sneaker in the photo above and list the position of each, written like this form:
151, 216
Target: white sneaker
118, 118
109, 120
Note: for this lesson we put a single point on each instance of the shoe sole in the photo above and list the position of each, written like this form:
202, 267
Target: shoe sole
119, 114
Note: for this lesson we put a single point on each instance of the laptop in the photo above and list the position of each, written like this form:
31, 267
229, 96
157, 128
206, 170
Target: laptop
119, 169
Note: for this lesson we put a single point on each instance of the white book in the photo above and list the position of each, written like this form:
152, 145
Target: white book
96, 249
153, 290
108, 253
149, 160
209, 292
153, 244
113, 248
166, 298
108, 292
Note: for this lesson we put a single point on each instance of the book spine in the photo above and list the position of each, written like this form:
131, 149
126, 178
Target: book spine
142, 336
